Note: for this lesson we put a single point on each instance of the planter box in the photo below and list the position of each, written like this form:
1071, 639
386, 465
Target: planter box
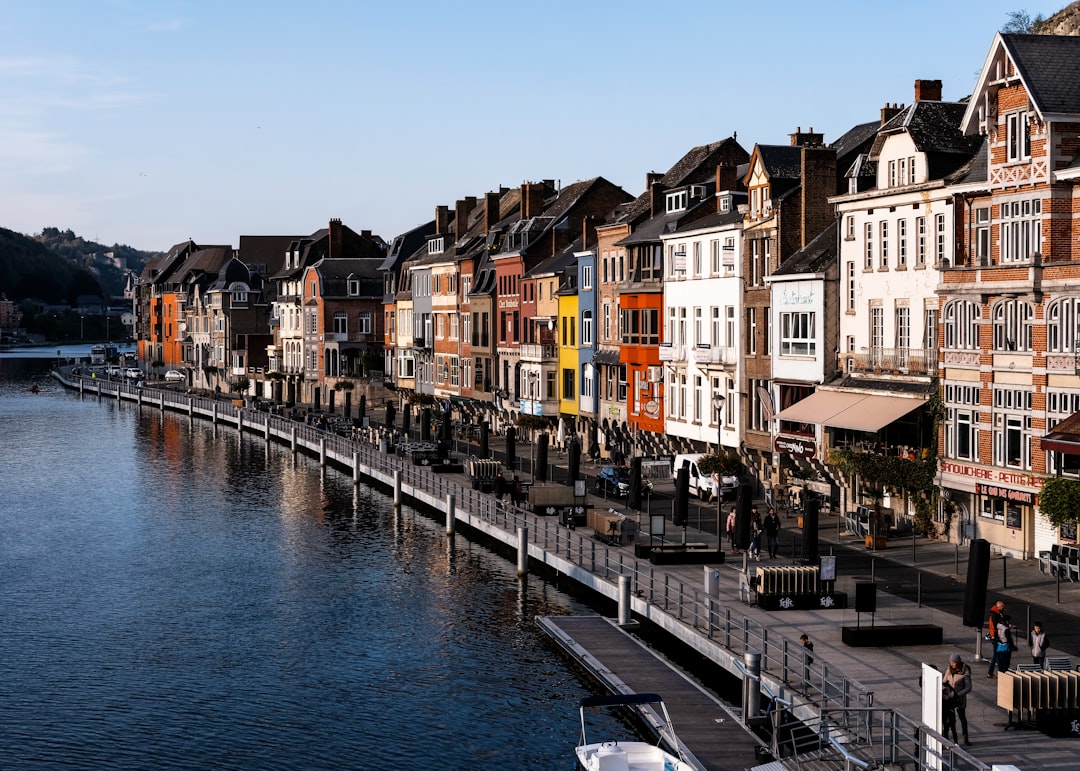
879, 542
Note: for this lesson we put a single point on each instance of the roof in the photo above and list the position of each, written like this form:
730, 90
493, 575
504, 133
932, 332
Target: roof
934, 127
1047, 65
815, 257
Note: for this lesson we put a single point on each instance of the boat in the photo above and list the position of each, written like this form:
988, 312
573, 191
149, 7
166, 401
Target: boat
615, 755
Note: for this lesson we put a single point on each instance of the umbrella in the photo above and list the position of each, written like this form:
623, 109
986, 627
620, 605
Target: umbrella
363, 406
560, 437
390, 414
483, 439
540, 473
682, 496
406, 419
425, 425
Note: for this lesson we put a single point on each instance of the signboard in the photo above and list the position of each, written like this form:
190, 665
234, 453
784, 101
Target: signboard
797, 446
1015, 496
828, 568
579, 488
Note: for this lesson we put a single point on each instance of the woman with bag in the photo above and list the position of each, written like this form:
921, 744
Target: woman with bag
958, 677
1005, 644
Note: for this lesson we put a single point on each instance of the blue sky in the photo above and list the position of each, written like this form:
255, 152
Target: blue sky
148, 122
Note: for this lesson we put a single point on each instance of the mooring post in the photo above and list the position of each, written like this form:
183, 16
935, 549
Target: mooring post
213, 414
451, 513
292, 439
240, 422
397, 487
624, 599
322, 450
751, 692
356, 467
523, 550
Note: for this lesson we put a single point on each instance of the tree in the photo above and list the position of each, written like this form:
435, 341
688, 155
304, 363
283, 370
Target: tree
1059, 500
1022, 23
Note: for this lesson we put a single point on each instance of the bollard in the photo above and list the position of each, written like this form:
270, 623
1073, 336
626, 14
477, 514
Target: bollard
397, 488
240, 422
624, 600
712, 582
451, 513
356, 468
751, 692
190, 407
266, 430
292, 440
322, 451
523, 551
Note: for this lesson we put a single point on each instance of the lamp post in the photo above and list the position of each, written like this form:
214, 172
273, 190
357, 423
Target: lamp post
718, 402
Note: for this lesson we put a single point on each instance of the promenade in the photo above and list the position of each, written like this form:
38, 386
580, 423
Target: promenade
918, 582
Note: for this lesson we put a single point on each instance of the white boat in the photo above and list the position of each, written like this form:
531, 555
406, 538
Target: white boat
612, 755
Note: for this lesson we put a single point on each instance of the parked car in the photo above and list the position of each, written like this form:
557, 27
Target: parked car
175, 375
615, 480
113, 369
134, 373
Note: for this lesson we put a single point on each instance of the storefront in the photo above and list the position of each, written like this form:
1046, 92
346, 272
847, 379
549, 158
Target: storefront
996, 504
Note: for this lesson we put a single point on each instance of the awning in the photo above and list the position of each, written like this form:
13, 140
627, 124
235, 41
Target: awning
873, 413
855, 411
1065, 437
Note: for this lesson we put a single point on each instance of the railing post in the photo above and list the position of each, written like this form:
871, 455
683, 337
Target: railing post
751, 692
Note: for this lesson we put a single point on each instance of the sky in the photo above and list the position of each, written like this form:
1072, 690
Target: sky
148, 122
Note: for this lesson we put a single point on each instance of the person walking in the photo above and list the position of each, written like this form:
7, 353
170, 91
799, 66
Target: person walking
805, 640
1006, 643
958, 677
994, 622
948, 711
1039, 641
731, 531
772, 532
755, 537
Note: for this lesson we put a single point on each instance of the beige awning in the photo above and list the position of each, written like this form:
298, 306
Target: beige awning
851, 410
819, 406
873, 413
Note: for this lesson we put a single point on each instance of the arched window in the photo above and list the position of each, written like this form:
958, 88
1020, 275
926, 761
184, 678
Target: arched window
1061, 325
961, 322
1012, 325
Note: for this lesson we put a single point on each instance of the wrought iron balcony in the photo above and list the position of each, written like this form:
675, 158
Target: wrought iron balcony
892, 361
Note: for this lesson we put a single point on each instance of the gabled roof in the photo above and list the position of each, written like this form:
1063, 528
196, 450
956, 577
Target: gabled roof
202, 264
334, 274
934, 129
1047, 68
850, 141
815, 257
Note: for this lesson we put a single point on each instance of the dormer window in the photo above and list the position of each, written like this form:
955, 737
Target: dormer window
353, 286
725, 204
435, 246
676, 201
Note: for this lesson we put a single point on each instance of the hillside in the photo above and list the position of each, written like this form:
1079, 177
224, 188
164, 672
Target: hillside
110, 264
29, 269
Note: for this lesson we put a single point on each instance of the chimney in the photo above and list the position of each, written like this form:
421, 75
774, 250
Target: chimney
365, 234
462, 210
651, 177
336, 243
927, 90
890, 111
656, 199
818, 177
727, 177
532, 199
807, 138
442, 219
491, 210
588, 231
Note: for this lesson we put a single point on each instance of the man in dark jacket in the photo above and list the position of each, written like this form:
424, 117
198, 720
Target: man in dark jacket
772, 532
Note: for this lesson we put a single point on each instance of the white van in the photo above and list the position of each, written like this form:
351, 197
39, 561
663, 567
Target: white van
704, 485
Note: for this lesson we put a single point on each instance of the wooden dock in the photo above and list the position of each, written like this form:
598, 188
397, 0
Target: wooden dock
709, 730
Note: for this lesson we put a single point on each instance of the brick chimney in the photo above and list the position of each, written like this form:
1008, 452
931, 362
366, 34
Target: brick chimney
656, 199
532, 199
365, 234
806, 138
491, 210
337, 248
727, 177
442, 219
818, 177
462, 210
588, 231
651, 177
927, 90
890, 111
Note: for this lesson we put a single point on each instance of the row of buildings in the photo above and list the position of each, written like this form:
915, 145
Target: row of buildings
906, 291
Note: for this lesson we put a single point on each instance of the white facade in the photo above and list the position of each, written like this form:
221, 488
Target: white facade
702, 320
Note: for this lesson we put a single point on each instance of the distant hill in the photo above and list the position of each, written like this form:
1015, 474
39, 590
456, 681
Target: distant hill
1064, 22
57, 266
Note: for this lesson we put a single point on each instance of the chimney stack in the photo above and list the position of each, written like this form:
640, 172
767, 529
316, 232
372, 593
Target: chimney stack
462, 210
656, 198
532, 199
651, 177
336, 241
818, 182
491, 210
588, 231
727, 177
442, 219
890, 111
927, 90
806, 139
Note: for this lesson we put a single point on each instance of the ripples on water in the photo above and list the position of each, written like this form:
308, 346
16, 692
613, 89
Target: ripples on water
173, 596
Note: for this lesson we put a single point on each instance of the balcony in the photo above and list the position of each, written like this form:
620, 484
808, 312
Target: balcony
713, 354
670, 352
538, 352
892, 361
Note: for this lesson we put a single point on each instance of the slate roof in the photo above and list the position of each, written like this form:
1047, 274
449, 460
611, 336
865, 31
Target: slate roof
206, 261
714, 220
1048, 66
851, 140
336, 272
935, 129
977, 169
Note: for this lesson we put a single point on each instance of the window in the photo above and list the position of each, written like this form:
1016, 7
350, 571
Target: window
1012, 325
1021, 229
341, 324
884, 227
729, 326
698, 268
892, 174
587, 328
1061, 326
877, 329
622, 383
903, 331
699, 326
869, 247
586, 277
586, 382
435, 246
982, 235
940, 252
676, 201
715, 330
961, 322
607, 322
849, 229
920, 240
962, 434
363, 323
1012, 427
715, 258
930, 331
797, 334
1018, 136
751, 326
851, 286
901, 243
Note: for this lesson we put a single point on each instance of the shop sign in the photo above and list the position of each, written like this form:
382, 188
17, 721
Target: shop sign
990, 475
798, 446
1013, 496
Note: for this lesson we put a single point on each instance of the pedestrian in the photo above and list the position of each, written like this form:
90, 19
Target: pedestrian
805, 640
1005, 643
731, 530
500, 487
1039, 641
772, 532
992, 635
755, 536
958, 677
519, 491
948, 711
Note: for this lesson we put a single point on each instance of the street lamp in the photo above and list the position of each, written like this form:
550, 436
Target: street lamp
718, 402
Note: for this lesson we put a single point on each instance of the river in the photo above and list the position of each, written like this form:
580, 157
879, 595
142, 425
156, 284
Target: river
175, 596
